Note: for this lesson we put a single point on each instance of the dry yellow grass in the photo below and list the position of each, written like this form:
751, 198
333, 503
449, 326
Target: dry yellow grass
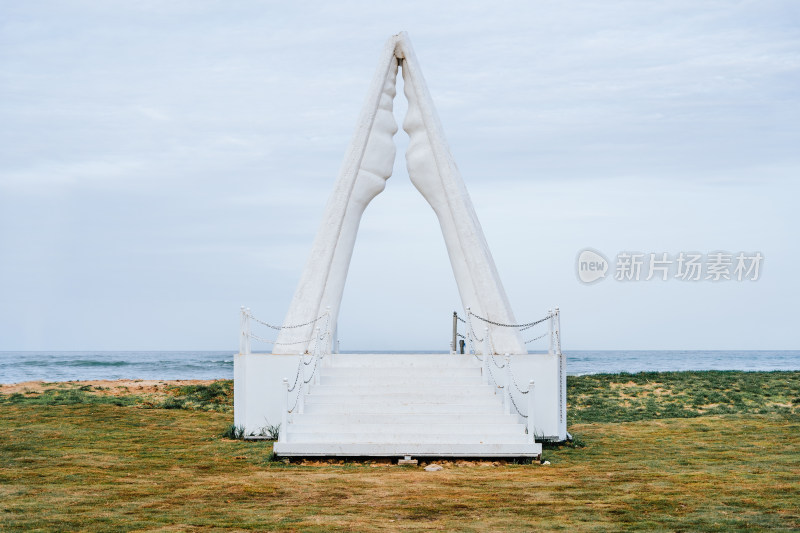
124, 468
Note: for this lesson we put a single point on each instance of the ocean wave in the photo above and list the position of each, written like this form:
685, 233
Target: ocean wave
50, 363
89, 363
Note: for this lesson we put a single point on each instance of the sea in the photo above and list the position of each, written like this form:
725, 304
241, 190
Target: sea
169, 365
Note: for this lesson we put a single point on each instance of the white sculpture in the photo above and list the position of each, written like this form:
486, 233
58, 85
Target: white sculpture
368, 164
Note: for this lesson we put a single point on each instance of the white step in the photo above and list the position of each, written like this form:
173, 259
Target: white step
430, 419
393, 398
407, 389
303, 426
403, 360
410, 404
411, 408
375, 373
429, 438
394, 380
399, 449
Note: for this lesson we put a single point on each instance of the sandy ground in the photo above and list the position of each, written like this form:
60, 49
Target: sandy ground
111, 387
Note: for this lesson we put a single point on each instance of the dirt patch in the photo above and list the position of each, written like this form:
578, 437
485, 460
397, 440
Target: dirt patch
107, 387
629, 384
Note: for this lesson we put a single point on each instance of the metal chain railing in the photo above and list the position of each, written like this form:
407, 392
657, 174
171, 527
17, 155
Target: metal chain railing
292, 326
276, 343
495, 361
262, 339
321, 348
296, 377
247, 336
510, 387
536, 323
313, 371
473, 334
500, 324
263, 323
471, 337
318, 344
511, 397
514, 381
491, 375
290, 411
543, 335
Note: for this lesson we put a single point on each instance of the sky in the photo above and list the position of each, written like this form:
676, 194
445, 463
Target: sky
164, 163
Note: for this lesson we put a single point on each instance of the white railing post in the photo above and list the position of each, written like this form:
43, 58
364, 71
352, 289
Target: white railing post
486, 356
247, 331
551, 328
507, 386
284, 411
531, 426
558, 331
453, 343
468, 335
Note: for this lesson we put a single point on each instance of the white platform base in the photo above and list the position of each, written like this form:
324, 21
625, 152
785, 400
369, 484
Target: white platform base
401, 450
424, 405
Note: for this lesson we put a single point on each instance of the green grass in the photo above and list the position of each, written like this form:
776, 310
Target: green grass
218, 396
656, 395
233, 432
71, 460
593, 398
72, 396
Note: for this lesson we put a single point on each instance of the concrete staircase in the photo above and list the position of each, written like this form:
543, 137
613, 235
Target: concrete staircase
424, 405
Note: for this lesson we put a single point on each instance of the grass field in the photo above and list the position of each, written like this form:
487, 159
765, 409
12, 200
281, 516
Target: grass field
691, 451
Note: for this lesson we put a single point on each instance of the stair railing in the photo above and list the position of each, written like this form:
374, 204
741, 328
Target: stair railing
530, 427
553, 320
321, 349
319, 344
246, 335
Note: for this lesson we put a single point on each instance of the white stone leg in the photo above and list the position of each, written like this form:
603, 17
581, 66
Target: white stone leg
367, 165
436, 176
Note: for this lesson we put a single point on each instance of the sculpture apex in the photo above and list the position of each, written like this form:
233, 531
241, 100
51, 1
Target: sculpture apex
367, 165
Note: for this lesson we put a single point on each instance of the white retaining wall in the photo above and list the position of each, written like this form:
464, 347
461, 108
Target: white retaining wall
258, 388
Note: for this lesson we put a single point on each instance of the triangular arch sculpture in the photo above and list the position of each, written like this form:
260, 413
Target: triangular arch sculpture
367, 165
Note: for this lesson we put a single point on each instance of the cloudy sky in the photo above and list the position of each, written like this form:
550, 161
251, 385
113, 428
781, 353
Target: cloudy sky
163, 163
